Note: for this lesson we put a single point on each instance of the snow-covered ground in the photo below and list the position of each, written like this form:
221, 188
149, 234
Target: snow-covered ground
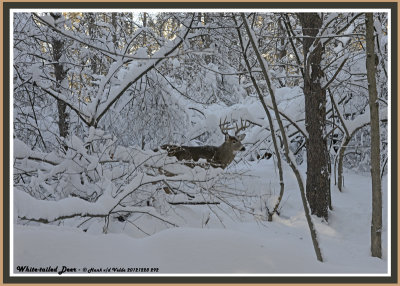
239, 246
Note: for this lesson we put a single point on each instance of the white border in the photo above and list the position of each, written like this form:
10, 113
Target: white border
11, 139
155, 10
389, 181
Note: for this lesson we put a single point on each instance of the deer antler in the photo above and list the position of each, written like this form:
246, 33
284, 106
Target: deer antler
224, 126
243, 125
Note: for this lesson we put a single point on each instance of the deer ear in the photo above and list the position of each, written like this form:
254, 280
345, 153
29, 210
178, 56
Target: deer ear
227, 137
241, 136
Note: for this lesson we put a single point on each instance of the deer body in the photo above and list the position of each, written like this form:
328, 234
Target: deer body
216, 156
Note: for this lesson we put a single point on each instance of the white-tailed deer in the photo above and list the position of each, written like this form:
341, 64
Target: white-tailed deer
216, 156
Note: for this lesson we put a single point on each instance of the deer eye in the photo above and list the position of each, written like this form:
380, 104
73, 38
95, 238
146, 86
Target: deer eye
234, 141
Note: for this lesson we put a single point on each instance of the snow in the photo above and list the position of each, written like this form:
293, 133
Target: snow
363, 120
175, 63
141, 53
348, 31
21, 150
48, 19
26, 205
36, 72
249, 246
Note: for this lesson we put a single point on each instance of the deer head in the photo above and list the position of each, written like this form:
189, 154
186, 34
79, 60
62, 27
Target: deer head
232, 144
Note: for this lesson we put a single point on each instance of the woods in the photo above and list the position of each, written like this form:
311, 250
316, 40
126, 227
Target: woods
109, 110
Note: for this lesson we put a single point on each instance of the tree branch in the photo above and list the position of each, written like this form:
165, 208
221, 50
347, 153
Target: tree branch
335, 75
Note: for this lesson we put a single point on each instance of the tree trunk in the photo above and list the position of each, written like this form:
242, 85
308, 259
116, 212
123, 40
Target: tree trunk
342, 149
114, 32
318, 176
95, 63
60, 74
376, 224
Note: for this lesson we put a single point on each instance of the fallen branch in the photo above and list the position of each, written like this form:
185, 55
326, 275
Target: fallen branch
194, 203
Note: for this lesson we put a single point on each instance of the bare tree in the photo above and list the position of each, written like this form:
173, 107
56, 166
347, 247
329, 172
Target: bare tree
376, 224
289, 156
318, 176
60, 73
270, 122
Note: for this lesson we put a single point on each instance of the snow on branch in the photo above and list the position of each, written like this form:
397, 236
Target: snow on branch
94, 178
139, 65
136, 72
